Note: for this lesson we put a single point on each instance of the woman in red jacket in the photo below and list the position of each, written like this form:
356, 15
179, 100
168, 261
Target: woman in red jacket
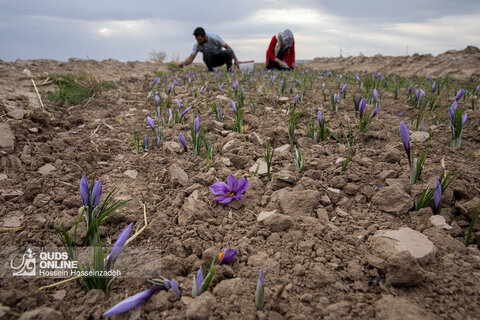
281, 51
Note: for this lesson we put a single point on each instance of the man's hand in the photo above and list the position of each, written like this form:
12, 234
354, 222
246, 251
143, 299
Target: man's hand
181, 65
237, 64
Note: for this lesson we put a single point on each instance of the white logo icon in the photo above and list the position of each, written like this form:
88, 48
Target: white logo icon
27, 267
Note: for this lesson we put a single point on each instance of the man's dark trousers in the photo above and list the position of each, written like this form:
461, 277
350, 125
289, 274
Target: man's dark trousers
218, 59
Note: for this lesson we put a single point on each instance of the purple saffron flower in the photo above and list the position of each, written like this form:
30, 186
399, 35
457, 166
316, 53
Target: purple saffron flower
197, 290
375, 111
344, 87
132, 301
227, 255
361, 107
405, 136
201, 89
145, 143
178, 103
375, 94
464, 119
183, 141
459, 94
96, 193
84, 190
417, 93
157, 98
295, 100
170, 115
410, 88
399, 114
434, 86
233, 106
323, 85
174, 286
437, 195
233, 189
319, 116
220, 114
155, 81
151, 123
259, 293
423, 93
197, 124
169, 89
335, 98
185, 111
476, 89
221, 88
118, 246
358, 78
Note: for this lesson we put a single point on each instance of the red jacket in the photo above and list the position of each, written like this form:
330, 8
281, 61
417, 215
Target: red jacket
289, 55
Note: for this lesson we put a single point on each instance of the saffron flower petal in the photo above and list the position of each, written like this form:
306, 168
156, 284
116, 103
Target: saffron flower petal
219, 188
259, 293
174, 286
131, 302
232, 183
459, 94
437, 195
197, 124
319, 116
233, 106
84, 190
183, 141
405, 136
96, 193
118, 246
151, 123
242, 185
227, 255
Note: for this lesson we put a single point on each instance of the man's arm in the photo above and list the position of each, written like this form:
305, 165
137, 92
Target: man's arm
187, 61
233, 52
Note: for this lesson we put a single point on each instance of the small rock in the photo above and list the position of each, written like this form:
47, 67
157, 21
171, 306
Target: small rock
60, 294
438, 221
340, 212
220, 97
13, 221
393, 199
229, 287
46, 169
387, 174
15, 112
177, 175
390, 242
285, 175
419, 136
281, 149
3, 176
255, 137
262, 167
265, 214
131, 173
334, 195
33, 130
295, 203
283, 99
7, 139
278, 222
228, 145
172, 147
340, 160
226, 161
322, 215
403, 270
9, 194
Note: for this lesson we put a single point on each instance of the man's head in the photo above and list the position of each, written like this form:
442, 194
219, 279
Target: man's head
200, 35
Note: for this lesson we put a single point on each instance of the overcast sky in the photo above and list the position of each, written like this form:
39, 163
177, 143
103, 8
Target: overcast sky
131, 30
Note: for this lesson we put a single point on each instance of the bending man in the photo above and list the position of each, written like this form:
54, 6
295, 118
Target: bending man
215, 51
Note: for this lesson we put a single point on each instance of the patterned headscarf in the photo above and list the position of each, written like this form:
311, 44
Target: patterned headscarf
284, 41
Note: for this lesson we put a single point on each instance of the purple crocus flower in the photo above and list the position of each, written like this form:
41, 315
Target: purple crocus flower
197, 124
157, 98
344, 87
375, 111
183, 141
169, 89
170, 115
361, 107
259, 293
417, 93
84, 190
233, 189
174, 286
179, 104
221, 88
132, 302
185, 111
319, 116
201, 89
118, 246
405, 136
476, 89
233, 106
434, 86
335, 98
358, 78
145, 143
459, 94
437, 195
96, 194
151, 123
410, 88
155, 81
295, 100
323, 85
423, 93
227, 255
220, 114
197, 286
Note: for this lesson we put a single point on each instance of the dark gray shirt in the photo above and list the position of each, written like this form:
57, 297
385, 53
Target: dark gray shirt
214, 45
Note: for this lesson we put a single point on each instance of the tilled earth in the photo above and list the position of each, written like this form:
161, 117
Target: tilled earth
321, 248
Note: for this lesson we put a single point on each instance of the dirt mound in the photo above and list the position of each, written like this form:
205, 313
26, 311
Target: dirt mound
461, 64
